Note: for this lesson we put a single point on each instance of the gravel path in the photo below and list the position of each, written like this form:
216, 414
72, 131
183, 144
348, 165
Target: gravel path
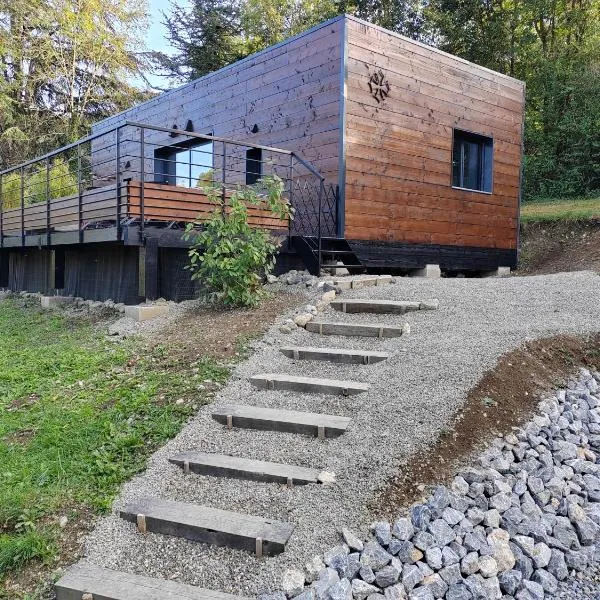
413, 395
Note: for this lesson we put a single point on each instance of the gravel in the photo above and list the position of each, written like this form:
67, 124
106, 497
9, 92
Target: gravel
413, 396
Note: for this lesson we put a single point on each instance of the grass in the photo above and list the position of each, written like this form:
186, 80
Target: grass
560, 210
79, 415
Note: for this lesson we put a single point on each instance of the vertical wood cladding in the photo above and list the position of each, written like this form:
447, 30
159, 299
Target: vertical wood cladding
290, 92
398, 148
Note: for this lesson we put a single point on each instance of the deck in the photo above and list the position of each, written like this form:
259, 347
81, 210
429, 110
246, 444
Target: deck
109, 214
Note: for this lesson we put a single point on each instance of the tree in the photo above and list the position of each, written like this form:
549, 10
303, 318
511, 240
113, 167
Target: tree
206, 37
64, 65
214, 33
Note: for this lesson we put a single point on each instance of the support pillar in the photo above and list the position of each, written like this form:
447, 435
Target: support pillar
4, 262
148, 270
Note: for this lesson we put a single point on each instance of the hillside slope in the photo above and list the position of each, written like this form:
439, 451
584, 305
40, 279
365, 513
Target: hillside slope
560, 246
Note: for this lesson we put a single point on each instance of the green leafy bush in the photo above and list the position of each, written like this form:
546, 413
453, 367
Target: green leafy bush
62, 183
227, 254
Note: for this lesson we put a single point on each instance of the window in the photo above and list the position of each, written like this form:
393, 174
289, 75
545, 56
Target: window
253, 165
188, 164
472, 161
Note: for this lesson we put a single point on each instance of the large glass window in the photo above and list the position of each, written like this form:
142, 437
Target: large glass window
472, 161
187, 165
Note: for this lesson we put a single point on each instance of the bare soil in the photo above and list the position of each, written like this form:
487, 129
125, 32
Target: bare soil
219, 333
559, 246
506, 397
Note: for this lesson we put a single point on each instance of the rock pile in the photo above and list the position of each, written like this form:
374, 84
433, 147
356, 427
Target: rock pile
524, 518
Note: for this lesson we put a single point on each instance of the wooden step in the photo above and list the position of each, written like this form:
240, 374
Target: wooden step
351, 284
209, 525
87, 582
274, 419
311, 385
220, 465
381, 306
336, 355
354, 329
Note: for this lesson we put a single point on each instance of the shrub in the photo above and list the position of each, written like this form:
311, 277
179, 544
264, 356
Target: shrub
227, 254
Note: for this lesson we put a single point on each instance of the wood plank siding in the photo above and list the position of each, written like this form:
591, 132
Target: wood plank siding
289, 94
398, 151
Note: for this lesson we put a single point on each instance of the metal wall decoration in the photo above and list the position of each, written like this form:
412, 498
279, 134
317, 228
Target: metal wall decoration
379, 86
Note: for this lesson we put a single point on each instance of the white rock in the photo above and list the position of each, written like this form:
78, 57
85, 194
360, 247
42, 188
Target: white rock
293, 582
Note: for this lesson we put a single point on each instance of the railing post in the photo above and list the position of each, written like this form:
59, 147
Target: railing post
223, 167
118, 184
79, 194
23, 206
48, 236
321, 190
142, 179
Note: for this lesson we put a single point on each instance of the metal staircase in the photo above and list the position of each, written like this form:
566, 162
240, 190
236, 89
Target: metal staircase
330, 252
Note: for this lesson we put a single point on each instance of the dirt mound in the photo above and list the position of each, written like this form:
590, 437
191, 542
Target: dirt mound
559, 246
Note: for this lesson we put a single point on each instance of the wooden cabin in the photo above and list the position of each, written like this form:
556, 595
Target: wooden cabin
394, 155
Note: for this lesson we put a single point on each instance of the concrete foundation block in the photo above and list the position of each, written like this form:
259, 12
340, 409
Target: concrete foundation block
499, 272
52, 301
430, 272
145, 312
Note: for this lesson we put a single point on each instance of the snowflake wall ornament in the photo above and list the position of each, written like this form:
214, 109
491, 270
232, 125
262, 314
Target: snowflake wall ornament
379, 86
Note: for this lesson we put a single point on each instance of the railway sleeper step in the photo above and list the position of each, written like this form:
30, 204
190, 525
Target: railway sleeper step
88, 582
209, 525
382, 306
335, 355
221, 465
312, 385
275, 419
360, 282
355, 329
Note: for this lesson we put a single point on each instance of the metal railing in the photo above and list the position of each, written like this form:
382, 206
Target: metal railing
146, 175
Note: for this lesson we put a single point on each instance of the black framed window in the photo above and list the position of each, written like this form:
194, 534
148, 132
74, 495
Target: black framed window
254, 165
188, 164
472, 161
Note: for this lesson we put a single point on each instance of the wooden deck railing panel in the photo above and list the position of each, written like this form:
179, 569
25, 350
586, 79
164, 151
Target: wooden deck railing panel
173, 203
161, 203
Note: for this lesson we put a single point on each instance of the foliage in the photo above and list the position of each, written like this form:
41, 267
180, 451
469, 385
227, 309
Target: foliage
64, 65
206, 36
78, 416
229, 255
61, 183
210, 34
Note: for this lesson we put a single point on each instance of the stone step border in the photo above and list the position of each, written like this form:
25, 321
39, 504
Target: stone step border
355, 329
351, 284
382, 306
287, 421
87, 582
221, 465
310, 385
209, 525
335, 355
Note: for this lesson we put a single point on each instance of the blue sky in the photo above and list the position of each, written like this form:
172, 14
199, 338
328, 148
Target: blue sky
156, 36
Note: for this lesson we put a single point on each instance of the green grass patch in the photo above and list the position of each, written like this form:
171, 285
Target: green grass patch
561, 210
79, 415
